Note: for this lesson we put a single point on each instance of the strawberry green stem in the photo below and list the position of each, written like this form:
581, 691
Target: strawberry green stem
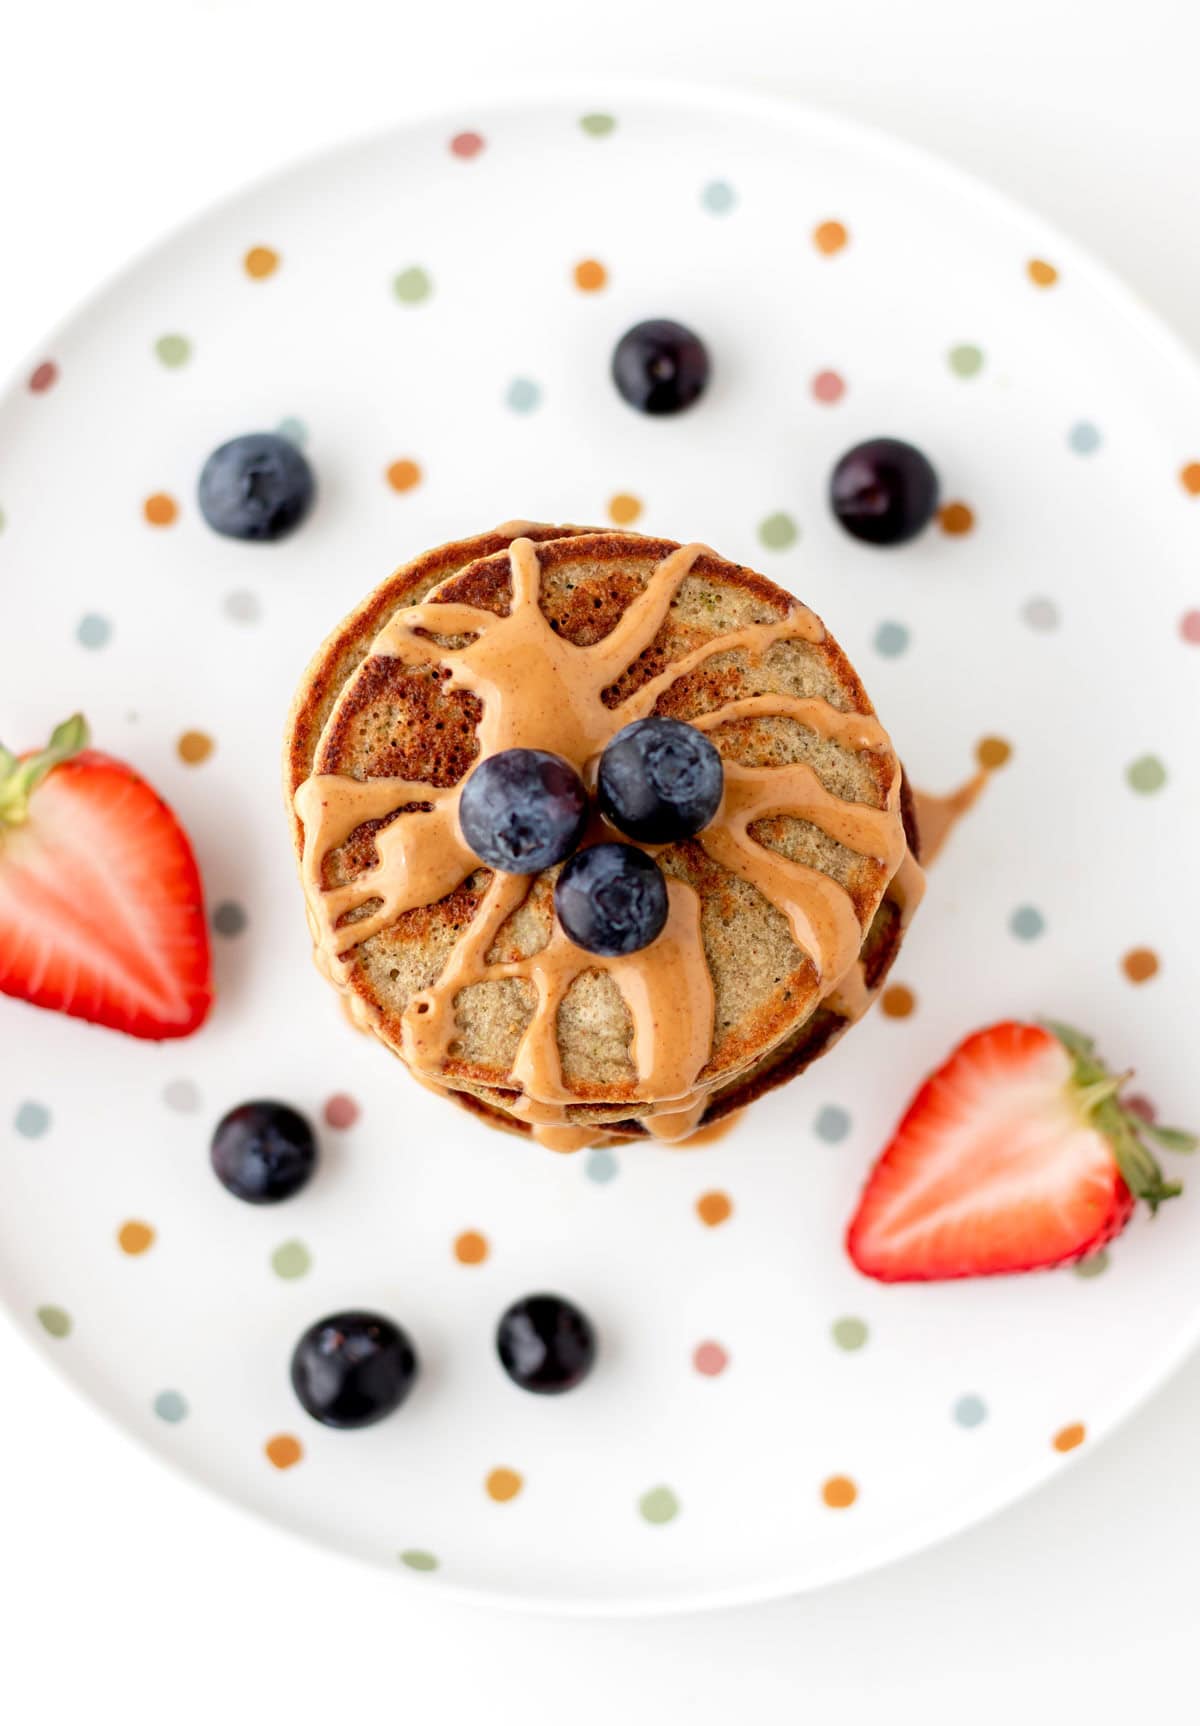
20, 778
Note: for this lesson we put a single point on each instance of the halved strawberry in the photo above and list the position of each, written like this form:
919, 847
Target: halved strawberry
1016, 1155
101, 906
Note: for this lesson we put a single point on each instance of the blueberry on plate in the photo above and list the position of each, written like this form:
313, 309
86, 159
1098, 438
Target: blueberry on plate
523, 810
263, 1152
256, 487
353, 1368
660, 367
660, 780
545, 1344
884, 491
611, 899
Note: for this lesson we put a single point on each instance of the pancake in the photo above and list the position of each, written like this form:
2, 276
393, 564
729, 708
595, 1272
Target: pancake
785, 912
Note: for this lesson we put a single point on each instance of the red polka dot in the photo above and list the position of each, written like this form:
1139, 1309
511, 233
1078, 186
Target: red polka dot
1189, 627
464, 145
1142, 1107
710, 1359
341, 1111
828, 387
43, 377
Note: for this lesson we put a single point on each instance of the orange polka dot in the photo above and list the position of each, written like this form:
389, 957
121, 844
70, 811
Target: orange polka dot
1190, 476
261, 262
195, 747
1070, 1437
160, 510
992, 752
471, 1248
898, 1001
590, 276
134, 1238
1140, 965
403, 475
283, 1451
714, 1208
956, 518
839, 1492
1041, 274
503, 1484
624, 508
830, 237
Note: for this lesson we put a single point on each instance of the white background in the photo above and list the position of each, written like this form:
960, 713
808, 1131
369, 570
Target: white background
129, 1594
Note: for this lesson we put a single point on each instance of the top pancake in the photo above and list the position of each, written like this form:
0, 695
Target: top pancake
369, 715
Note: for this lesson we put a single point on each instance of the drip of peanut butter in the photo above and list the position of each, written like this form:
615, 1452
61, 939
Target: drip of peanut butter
538, 690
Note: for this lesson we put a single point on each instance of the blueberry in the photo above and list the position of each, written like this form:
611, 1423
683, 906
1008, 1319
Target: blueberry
660, 367
263, 1152
352, 1368
545, 1344
611, 899
884, 491
523, 810
660, 780
256, 487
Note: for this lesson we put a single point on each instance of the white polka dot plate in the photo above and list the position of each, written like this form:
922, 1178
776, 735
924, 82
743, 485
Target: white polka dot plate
433, 313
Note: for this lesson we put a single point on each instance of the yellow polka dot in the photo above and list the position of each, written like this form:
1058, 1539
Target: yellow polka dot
830, 237
1041, 274
1190, 478
1140, 965
898, 1001
624, 508
839, 1492
503, 1484
160, 509
134, 1238
1070, 1437
195, 747
956, 518
403, 475
261, 262
471, 1248
714, 1208
993, 752
283, 1451
590, 276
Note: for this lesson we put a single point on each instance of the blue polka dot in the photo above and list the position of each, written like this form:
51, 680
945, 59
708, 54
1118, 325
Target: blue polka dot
891, 639
601, 1167
718, 197
32, 1120
523, 395
294, 430
1084, 438
970, 1411
92, 630
1027, 923
832, 1124
170, 1406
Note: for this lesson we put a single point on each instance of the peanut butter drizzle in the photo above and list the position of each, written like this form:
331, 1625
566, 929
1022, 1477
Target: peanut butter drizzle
937, 817
540, 691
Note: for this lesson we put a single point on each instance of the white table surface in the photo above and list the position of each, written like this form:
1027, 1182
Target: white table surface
133, 1596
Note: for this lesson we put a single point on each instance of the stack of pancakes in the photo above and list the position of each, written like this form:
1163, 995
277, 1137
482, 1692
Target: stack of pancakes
788, 921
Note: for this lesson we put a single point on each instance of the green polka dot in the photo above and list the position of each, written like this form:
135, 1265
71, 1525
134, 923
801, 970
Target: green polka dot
173, 350
292, 1259
966, 360
597, 125
54, 1321
412, 286
416, 1559
1094, 1265
778, 531
850, 1333
659, 1504
1147, 774
294, 430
